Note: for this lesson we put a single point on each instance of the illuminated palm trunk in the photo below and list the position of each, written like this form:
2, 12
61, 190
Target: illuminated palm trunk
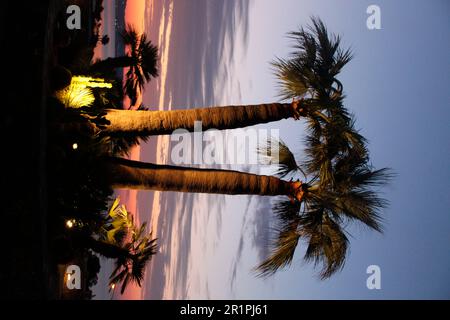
144, 123
128, 174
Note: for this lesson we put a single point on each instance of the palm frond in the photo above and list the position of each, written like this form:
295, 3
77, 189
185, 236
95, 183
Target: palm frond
75, 96
313, 66
283, 251
327, 245
130, 36
145, 55
149, 58
364, 206
286, 210
276, 152
291, 82
131, 269
117, 224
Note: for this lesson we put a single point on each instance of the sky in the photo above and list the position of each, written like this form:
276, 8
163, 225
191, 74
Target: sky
218, 53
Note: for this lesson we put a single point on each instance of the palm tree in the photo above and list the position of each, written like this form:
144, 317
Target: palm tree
117, 224
339, 187
307, 77
145, 55
146, 123
315, 210
141, 61
128, 174
131, 257
120, 239
338, 178
131, 267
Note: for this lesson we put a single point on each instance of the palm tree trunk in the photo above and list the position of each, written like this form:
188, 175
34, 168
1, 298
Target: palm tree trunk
112, 63
144, 123
106, 249
128, 174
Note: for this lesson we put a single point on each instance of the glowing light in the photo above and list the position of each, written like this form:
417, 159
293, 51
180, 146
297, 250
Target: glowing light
91, 82
79, 94
69, 224
75, 146
113, 286
68, 276
75, 96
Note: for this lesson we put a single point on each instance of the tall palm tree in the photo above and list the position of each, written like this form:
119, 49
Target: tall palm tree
147, 123
316, 209
128, 174
141, 61
338, 178
338, 188
308, 77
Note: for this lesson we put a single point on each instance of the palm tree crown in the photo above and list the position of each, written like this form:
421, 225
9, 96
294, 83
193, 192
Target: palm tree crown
340, 179
135, 248
130, 268
319, 215
144, 56
313, 66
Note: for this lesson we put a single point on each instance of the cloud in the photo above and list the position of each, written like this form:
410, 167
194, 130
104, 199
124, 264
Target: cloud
203, 37
255, 230
197, 49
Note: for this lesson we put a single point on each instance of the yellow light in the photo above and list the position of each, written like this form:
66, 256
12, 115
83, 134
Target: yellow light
113, 286
69, 224
79, 94
75, 146
75, 96
68, 276
86, 79
90, 82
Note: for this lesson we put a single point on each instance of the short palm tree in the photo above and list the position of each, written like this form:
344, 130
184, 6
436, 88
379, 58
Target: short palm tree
145, 60
119, 238
118, 222
142, 62
130, 268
